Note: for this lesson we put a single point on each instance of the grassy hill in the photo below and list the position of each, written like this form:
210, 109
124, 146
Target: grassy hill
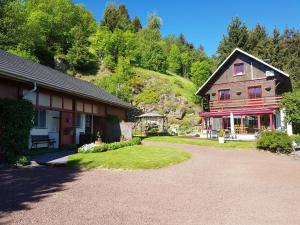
169, 94
177, 84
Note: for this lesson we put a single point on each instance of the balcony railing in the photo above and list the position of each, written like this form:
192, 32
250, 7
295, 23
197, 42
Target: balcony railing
244, 103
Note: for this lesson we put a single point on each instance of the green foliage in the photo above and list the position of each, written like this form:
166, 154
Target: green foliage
108, 147
291, 105
118, 83
274, 141
16, 120
45, 29
174, 60
136, 24
282, 49
22, 160
200, 72
237, 38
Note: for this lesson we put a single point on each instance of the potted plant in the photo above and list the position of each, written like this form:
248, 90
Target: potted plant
221, 137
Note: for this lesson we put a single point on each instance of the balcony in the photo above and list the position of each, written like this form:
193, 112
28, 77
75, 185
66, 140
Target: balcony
238, 104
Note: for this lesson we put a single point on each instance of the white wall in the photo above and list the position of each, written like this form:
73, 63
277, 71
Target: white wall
52, 128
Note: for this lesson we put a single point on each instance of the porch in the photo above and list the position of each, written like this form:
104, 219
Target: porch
243, 124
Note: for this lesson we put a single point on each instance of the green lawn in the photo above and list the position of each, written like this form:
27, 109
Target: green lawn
133, 157
204, 142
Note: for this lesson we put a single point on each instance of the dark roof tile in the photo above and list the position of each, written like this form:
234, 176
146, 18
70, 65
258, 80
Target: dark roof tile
21, 68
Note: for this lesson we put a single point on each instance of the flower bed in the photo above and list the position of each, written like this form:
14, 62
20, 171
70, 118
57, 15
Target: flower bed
89, 148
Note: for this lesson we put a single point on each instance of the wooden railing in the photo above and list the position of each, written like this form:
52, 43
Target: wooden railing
241, 103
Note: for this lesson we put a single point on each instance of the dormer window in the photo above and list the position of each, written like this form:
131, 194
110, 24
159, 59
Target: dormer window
239, 69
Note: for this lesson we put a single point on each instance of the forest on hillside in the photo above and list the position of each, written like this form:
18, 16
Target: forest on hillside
66, 36
61, 31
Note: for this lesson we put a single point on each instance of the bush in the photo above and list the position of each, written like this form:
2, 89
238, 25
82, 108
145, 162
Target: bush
296, 138
274, 141
89, 148
16, 120
22, 160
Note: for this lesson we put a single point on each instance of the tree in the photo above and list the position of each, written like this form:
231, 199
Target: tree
174, 60
109, 46
258, 42
200, 72
123, 22
153, 58
291, 105
186, 63
110, 18
136, 24
237, 37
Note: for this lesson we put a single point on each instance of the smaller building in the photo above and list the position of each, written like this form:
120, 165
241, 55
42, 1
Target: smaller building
152, 122
65, 107
243, 96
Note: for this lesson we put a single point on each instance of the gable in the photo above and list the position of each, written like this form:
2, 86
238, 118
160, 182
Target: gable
254, 69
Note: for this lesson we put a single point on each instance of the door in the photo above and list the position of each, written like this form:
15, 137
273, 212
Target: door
67, 129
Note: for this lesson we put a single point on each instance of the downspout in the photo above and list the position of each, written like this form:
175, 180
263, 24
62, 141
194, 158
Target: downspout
252, 71
32, 90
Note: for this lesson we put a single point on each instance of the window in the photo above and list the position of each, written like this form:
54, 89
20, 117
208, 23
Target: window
40, 119
78, 120
254, 92
224, 94
239, 69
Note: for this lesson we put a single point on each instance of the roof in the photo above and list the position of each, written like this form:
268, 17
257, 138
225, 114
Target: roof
17, 68
150, 114
245, 53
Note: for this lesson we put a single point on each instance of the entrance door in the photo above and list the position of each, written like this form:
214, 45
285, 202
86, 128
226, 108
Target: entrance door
67, 129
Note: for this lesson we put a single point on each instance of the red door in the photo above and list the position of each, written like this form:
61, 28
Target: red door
67, 129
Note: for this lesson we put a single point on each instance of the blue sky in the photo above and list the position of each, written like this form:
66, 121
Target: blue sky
205, 22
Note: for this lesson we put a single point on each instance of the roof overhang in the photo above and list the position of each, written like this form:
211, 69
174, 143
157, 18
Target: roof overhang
231, 54
51, 87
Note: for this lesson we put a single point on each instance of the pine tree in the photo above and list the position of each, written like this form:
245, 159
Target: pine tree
136, 24
110, 18
237, 37
123, 22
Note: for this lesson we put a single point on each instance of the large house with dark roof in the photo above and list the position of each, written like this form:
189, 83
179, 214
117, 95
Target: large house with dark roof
65, 106
243, 96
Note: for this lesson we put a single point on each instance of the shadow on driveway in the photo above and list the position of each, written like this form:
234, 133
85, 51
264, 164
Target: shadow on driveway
19, 186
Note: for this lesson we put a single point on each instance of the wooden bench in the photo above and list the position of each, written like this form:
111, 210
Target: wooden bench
41, 139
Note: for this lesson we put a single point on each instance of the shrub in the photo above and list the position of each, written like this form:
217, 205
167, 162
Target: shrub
296, 138
89, 148
22, 160
274, 141
16, 120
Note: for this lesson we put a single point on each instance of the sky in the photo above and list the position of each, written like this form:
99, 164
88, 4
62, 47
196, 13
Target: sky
205, 22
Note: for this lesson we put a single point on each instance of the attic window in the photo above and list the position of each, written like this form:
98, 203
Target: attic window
239, 69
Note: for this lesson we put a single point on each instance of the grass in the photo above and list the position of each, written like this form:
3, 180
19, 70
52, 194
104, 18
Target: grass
204, 142
177, 83
132, 157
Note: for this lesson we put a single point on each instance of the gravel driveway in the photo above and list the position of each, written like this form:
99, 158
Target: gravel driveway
214, 187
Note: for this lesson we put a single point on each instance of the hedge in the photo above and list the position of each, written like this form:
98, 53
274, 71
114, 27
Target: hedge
16, 120
275, 141
89, 148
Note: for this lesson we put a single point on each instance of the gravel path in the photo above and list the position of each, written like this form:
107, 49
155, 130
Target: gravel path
214, 187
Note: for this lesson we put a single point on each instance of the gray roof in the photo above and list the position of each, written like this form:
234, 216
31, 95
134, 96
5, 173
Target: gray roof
14, 67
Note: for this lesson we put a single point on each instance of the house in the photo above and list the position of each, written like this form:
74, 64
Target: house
66, 107
243, 96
